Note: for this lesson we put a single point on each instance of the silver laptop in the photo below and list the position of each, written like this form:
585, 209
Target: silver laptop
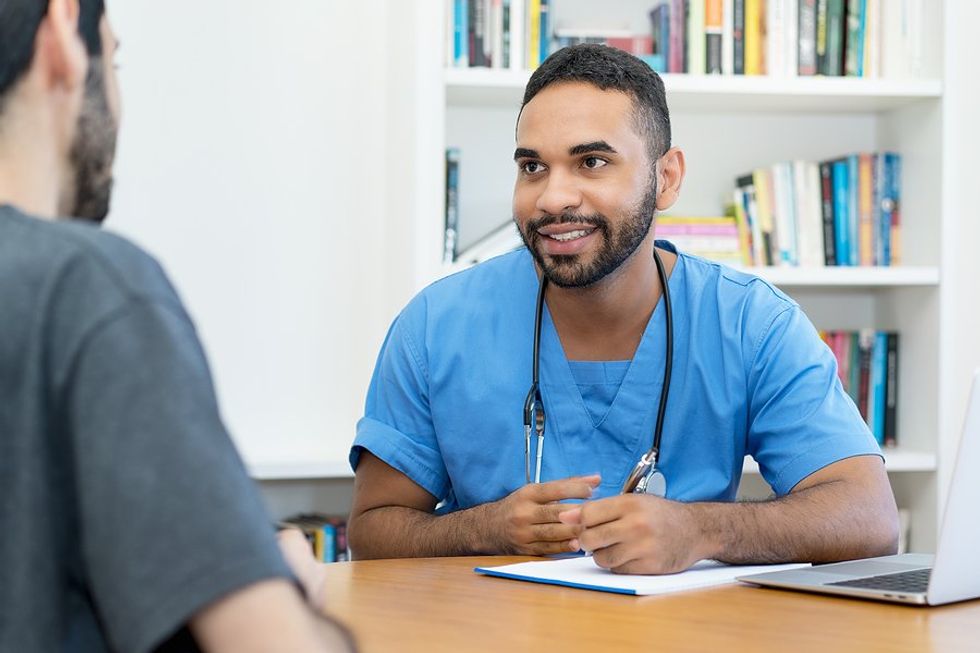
953, 574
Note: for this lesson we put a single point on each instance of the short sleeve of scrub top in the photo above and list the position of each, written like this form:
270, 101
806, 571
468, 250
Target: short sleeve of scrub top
397, 426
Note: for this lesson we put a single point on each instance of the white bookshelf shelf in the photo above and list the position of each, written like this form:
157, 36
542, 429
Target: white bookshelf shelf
291, 471
484, 87
896, 460
848, 277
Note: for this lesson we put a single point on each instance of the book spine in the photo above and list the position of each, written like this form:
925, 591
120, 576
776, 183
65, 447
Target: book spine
738, 36
853, 215
713, 36
497, 33
461, 33
505, 42
761, 180
866, 339
865, 207
518, 15
821, 37
889, 427
742, 220
854, 352
893, 204
675, 37
791, 37
533, 31
841, 222
878, 371
827, 213
451, 235
775, 31
853, 39
835, 38
728, 37
808, 38
754, 37
544, 30
696, 38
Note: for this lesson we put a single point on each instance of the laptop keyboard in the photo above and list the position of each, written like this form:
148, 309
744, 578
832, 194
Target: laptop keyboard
913, 581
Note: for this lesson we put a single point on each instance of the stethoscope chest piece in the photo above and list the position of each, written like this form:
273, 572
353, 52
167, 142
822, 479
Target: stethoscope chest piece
646, 478
654, 483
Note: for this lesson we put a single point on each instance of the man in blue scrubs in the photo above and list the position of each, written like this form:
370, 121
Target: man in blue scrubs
439, 454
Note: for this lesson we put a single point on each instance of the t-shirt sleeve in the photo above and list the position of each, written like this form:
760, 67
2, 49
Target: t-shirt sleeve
397, 426
169, 519
800, 418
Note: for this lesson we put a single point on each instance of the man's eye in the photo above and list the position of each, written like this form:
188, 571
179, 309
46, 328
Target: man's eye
532, 167
594, 162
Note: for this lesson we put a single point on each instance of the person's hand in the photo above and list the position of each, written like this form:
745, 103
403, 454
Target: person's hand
526, 522
639, 533
308, 570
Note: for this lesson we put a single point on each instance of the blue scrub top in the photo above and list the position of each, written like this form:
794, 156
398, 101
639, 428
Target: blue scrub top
750, 376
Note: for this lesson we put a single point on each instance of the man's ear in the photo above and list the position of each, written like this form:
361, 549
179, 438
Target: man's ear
58, 48
670, 175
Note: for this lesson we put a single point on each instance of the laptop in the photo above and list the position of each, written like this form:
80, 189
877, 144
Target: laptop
953, 574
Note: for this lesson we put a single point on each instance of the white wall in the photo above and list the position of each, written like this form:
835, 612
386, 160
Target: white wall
253, 164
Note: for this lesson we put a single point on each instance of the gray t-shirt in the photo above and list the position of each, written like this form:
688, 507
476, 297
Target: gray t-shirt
124, 507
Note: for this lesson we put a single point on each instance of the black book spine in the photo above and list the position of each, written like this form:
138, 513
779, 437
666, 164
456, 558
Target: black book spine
738, 34
891, 391
827, 213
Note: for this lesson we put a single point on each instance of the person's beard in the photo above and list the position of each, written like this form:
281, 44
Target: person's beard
93, 150
569, 271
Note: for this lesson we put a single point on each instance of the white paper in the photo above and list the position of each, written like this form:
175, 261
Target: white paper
584, 573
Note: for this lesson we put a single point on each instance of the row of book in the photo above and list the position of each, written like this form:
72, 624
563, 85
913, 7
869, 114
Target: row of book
780, 38
327, 534
843, 212
513, 34
867, 364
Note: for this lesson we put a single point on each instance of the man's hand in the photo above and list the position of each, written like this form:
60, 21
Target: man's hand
526, 521
638, 533
308, 570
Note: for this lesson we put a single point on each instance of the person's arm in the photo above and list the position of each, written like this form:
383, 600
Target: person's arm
392, 517
266, 616
841, 512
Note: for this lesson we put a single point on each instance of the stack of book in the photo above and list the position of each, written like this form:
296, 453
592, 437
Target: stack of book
840, 212
715, 238
867, 364
327, 534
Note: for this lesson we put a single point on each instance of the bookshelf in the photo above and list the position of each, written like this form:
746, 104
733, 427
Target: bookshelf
729, 125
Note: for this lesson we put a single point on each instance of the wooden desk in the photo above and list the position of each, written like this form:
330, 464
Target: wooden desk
442, 605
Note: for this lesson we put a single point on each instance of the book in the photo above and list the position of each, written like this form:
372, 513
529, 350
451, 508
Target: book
713, 36
696, 38
842, 229
807, 42
451, 227
827, 214
676, 37
728, 37
755, 35
835, 25
461, 33
544, 30
738, 37
866, 233
516, 38
889, 425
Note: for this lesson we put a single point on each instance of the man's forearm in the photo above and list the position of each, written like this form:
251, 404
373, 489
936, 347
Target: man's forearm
400, 532
824, 523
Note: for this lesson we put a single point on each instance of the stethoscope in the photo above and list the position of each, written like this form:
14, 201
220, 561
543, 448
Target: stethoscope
645, 477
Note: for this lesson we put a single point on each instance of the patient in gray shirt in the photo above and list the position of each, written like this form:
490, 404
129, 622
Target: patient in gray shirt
124, 508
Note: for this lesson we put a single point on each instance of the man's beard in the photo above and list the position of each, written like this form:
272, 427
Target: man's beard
93, 150
568, 271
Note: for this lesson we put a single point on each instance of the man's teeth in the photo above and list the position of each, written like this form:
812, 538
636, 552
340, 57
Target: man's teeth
570, 235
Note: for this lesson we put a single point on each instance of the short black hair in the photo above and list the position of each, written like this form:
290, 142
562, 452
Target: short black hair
19, 22
610, 68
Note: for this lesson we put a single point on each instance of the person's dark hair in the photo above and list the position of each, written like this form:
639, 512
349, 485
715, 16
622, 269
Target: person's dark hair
608, 68
19, 22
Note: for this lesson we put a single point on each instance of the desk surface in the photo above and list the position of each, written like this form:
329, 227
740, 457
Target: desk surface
442, 605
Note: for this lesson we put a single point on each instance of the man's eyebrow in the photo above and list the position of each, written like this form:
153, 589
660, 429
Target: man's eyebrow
524, 153
594, 146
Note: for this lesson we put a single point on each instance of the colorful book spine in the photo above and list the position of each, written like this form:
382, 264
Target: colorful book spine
889, 425
821, 36
461, 33
544, 30
754, 37
518, 16
877, 398
762, 181
853, 215
451, 232
696, 38
866, 234
891, 208
676, 45
728, 37
533, 32
842, 229
713, 36
835, 38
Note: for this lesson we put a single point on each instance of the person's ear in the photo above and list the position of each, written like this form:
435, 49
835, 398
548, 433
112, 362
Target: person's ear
59, 49
670, 175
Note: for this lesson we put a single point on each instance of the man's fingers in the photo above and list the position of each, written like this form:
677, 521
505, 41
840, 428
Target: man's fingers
571, 516
610, 509
604, 535
554, 532
578, 487
612, 557
551, 548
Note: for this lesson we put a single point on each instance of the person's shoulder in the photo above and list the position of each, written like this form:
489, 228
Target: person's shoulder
475, 289
83, 254
737, 288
